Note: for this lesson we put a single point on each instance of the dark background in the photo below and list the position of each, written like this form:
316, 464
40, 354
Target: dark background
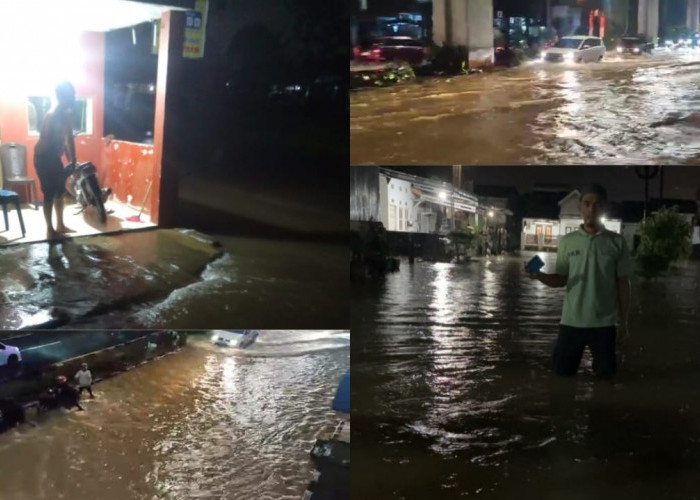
267, 106
620, 181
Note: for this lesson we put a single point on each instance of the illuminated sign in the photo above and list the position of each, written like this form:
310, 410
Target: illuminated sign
195, 30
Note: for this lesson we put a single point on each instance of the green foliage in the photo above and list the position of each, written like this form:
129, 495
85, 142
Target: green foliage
448, 59
382, 77
665, 239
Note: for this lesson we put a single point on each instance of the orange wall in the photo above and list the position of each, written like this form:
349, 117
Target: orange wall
128, 169
88, 83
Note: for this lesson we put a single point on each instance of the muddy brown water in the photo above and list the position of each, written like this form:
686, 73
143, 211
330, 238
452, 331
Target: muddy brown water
202, 423
453, 397
645, 110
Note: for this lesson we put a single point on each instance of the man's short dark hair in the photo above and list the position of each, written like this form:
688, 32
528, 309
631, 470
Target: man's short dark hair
65, 91
596, 189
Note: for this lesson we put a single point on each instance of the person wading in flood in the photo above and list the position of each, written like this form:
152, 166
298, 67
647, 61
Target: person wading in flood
56, 139
84, 378
594, 265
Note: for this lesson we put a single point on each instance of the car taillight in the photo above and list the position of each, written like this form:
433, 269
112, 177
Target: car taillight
376, 52
356, 51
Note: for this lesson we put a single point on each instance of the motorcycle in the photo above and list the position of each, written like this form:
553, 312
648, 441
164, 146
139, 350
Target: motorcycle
86, 189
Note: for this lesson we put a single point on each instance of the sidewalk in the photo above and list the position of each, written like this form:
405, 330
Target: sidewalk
46, 286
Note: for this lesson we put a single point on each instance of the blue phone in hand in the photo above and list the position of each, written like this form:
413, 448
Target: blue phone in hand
534, 265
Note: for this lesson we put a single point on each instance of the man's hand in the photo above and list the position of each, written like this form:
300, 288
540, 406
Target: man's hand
532, 276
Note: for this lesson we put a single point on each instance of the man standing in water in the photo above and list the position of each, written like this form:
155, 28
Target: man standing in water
594, 265
56, 139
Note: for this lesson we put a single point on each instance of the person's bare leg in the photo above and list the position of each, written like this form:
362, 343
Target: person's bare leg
48, 207
60, 226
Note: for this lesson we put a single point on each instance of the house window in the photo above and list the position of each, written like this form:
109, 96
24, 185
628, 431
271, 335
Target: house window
39, 106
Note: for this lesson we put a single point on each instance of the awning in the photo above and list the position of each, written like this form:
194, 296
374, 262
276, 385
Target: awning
84, 15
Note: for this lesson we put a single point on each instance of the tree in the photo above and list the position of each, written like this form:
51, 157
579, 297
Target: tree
665, 238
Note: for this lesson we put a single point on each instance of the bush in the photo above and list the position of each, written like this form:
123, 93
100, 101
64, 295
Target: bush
665, 238
448, 59
382, 77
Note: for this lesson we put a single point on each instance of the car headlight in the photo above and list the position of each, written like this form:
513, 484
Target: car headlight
543, 54
569, 57
635, 50
619, 49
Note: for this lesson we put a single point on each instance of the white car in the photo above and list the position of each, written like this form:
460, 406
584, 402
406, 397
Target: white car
9, 356
234, 338
576, 49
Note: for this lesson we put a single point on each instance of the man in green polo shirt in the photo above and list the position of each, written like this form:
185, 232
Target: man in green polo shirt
594, 265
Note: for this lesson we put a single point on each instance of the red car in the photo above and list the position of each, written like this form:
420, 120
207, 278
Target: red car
394, 48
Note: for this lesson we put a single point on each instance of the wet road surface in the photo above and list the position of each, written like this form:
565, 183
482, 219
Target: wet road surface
202, 423
46, 347
645, 110
167, 279
453, 398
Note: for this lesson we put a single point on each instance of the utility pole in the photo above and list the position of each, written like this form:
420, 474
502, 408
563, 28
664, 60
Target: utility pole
456, 182
646, 172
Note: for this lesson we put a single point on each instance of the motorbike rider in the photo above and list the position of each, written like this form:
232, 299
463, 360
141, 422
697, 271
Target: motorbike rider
68, 395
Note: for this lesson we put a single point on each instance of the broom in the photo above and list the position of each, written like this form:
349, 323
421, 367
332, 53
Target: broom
137, 218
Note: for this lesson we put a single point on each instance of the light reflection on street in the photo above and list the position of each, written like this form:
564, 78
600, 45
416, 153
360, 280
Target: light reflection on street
637, 110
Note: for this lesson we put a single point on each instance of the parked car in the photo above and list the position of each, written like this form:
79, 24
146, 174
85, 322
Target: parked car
10, 357
634, 45
576, 49
394, 48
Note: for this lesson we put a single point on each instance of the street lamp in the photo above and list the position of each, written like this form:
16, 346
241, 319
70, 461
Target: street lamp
490, 213
442, 195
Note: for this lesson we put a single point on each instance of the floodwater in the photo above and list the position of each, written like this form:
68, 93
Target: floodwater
202, 423
161, 279
275, 284
453, 397
645, 110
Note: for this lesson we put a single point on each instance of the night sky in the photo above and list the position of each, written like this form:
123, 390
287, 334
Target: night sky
621, 182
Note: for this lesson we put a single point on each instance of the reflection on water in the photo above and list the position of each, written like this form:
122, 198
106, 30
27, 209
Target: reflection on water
452, 394
617, 112
203, 423
304, 284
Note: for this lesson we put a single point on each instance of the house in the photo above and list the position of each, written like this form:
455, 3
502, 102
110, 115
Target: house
408, 203
79, 52
497, 205
543, 232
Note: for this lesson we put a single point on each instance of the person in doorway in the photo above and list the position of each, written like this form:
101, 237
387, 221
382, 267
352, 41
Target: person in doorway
594, 265
84, 378
55, 140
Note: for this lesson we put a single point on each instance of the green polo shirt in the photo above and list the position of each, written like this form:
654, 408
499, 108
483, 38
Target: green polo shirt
592, 263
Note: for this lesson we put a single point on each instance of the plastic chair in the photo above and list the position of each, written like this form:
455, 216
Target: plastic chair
7, 197
13, 157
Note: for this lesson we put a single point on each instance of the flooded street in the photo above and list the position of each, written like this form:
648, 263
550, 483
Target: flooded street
645, 110
166, 279
201, 423
453, 397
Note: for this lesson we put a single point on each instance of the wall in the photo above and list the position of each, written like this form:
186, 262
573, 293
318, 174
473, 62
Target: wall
86, 74
400, 196
364, 193
128, 169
